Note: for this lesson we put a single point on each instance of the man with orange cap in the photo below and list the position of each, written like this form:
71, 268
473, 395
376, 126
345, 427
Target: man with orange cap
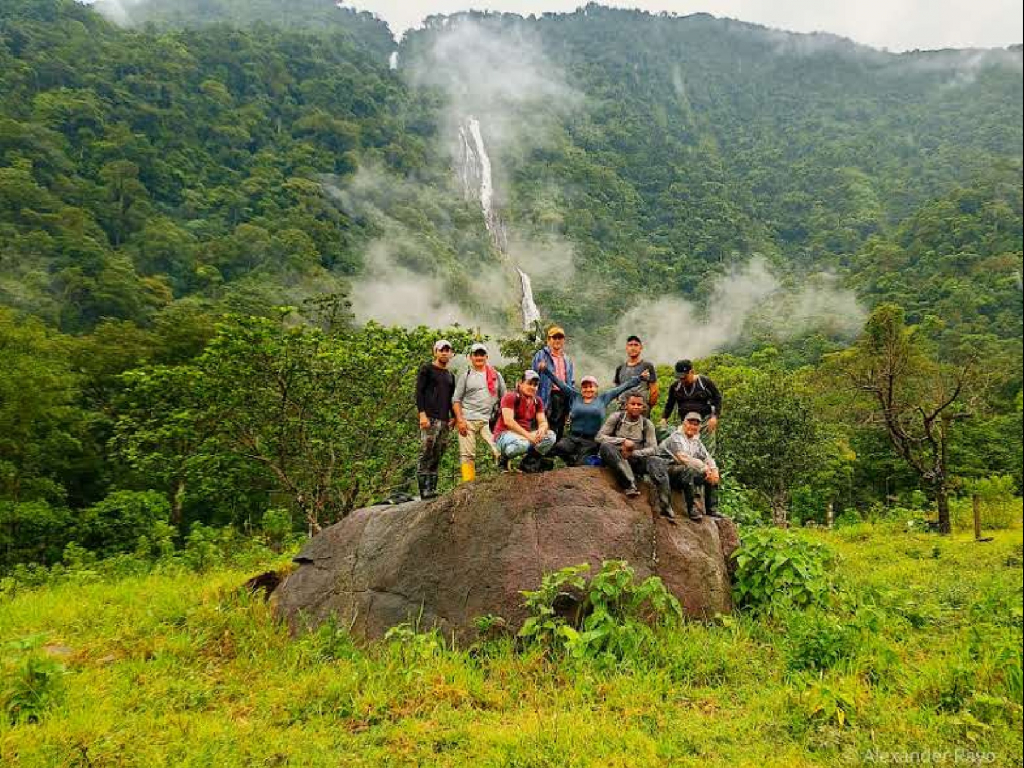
553, 357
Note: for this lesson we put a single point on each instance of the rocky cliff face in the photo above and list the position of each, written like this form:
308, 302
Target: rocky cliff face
473, 551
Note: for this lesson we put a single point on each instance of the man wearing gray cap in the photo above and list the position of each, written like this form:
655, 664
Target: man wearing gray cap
435, 386
692, 465
477, 392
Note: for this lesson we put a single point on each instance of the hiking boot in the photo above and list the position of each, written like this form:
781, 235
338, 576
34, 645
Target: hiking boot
711, 501
693, 514
632, 492
431, 489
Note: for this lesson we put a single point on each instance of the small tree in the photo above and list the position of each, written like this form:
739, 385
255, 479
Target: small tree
328, 417
913, 397
775, 440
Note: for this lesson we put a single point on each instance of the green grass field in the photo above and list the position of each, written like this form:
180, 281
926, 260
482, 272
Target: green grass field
919, 659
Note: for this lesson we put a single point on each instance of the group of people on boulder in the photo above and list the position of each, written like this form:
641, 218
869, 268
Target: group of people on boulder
546, 416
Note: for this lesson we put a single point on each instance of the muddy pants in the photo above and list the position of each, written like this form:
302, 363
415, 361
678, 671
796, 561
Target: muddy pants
433, 443
626, 472
574, 450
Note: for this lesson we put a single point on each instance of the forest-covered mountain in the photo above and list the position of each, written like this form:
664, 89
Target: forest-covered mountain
180, 159
174, 160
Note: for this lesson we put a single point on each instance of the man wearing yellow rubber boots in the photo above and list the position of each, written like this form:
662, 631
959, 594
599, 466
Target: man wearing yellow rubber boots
477, 392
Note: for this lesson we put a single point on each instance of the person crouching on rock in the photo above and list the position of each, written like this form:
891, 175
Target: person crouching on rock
435, 386
522, 428
629, 448
586, 414
692, 465
476, 394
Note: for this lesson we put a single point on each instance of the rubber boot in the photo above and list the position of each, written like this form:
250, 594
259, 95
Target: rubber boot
423, 481
530, 463
711, 500
468, 472
691, 511
431, 486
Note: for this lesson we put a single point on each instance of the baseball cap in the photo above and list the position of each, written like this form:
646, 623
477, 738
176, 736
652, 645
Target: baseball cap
441, 344
692, 416
531, 375
478, 347
588, 380
556, 330
684, 366
635, 338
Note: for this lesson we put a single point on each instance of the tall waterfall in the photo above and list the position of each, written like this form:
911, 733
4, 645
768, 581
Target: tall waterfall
473, 167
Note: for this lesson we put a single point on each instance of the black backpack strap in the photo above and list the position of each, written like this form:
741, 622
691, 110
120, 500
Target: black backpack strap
621, 416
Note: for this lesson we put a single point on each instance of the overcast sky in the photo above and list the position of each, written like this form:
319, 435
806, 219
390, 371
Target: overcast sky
895, 24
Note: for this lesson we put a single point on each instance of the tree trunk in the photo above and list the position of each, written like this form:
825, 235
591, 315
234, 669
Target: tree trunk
780, 514
178, 503
942, 502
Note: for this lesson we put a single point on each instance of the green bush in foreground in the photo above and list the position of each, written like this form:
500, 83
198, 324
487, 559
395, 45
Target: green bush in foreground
33, 683
777, 569
608, 618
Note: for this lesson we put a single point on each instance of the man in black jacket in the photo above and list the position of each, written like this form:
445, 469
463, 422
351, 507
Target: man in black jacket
692, 392
435, 386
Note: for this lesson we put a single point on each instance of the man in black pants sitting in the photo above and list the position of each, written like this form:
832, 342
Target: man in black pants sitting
629, 448
692, 465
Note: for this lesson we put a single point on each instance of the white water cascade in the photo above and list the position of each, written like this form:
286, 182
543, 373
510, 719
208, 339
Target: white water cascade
473, 167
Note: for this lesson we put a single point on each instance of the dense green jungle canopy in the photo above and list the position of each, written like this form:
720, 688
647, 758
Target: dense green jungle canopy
198, 160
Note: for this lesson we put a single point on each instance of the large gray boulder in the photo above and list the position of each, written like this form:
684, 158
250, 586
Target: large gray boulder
473, 551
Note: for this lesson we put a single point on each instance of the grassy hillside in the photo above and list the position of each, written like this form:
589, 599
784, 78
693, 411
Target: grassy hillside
922, 651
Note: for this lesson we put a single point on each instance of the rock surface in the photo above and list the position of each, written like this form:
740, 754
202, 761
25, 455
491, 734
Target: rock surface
471, 552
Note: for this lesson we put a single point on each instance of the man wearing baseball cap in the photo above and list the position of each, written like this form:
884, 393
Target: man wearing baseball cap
556, 400
693, 392
692, 465
477, 393
522, 428
435, 386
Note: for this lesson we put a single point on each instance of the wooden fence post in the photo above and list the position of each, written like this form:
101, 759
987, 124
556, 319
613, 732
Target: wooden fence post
976, 503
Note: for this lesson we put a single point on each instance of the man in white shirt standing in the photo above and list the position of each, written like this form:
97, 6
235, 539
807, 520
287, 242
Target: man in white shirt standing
477, 393
692, 465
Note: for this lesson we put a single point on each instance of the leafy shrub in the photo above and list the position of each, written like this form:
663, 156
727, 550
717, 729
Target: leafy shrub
776, 568
115, 524
32, 687
202, 547
818, 640
829, 702
412, 646
32, 532
277, 526
608, 618
847, 517
740, 504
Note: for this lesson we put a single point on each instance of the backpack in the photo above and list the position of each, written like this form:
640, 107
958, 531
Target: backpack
620, 416
496, 412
